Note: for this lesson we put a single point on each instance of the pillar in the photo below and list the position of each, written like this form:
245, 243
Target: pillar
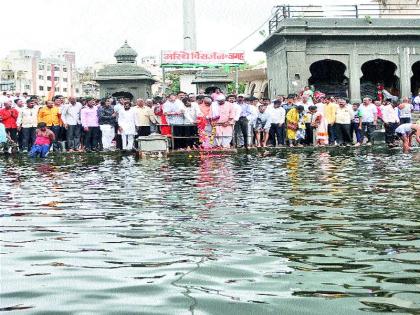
298, 71
354, 77
405, 83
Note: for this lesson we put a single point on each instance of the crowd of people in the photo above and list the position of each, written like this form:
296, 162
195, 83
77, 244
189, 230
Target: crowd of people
200, 121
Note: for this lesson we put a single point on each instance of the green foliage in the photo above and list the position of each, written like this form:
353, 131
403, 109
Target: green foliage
231, 88
174, 85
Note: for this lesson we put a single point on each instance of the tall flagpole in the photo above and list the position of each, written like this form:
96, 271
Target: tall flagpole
190, 39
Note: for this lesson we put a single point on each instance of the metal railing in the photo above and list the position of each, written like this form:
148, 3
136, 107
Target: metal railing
282, 12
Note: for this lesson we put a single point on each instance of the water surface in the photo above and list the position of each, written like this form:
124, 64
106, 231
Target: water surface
291, 233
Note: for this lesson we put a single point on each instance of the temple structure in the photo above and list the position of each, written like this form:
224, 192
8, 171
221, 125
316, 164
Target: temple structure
342, 55
125, 78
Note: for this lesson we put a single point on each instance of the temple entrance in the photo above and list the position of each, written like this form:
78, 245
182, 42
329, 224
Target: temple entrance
265, 94
123, 94
252, 90
415, 79
211, 89
328, 77
379, 72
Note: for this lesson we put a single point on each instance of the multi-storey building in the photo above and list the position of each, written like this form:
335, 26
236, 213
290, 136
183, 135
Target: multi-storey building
29, 72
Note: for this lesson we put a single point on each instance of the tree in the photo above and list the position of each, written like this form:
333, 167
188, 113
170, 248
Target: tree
174, 85
231, 88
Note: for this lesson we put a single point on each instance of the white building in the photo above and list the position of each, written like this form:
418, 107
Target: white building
41, 76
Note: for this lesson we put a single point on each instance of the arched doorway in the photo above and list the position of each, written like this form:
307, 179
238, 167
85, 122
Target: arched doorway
376, 72
210, 90
415, 79
328, 76
123, 94
252, 90
265, 93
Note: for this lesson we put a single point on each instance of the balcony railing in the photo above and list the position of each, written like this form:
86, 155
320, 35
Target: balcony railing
282, 12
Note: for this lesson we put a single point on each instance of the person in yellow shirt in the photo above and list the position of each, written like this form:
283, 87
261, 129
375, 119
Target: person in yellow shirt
50, 115
330, 111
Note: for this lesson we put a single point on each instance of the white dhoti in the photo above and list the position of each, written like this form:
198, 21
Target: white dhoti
108, 134
127, 141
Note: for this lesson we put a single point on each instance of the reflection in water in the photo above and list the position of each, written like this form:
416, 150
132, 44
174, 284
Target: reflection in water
311, 232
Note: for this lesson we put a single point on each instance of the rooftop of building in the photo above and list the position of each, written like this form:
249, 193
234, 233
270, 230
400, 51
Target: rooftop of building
342, 21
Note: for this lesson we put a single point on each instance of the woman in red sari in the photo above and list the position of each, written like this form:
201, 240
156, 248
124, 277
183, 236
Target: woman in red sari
165, 129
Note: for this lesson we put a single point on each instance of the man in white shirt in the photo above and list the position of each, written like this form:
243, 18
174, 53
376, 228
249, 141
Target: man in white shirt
391, 122
174, 110
70, 115
278, 116
27, 123
368, 114
405, 111
127, 126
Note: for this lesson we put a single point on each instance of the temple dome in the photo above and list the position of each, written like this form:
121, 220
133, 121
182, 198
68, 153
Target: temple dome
125, 54
125, 68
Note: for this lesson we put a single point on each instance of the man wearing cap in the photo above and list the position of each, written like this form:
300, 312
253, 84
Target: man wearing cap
224, 125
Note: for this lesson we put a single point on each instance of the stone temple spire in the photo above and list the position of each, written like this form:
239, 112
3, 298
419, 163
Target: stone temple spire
125, 54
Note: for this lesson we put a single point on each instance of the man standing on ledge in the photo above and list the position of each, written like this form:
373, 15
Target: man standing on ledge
368, 120
90, 124
70, 115
10, 116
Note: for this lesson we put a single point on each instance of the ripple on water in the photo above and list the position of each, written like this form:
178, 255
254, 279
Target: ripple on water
307, 233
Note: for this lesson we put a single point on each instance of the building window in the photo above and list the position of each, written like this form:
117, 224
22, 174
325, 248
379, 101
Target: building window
41, 67
27, 87
41, 77
56, 68
77, 90
64, 89
49, 88
41, 88
56, 79
57, 89
64, 69
64, 79
49, 78
49, 68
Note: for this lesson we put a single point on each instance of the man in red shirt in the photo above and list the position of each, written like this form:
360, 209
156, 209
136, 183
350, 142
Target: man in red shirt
9, 116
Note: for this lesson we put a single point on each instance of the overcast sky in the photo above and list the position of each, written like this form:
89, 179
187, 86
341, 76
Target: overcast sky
94, 29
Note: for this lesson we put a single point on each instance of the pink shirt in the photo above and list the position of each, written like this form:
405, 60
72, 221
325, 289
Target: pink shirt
44, 138
89, 117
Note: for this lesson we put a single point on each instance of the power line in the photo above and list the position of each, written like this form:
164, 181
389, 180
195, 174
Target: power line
259, 27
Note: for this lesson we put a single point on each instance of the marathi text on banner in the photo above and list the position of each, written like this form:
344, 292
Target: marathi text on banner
202, 57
